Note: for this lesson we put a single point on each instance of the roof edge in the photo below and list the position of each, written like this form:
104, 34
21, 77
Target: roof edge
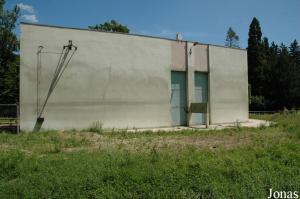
128, 34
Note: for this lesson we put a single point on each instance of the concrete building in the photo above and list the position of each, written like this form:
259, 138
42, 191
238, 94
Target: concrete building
129, 81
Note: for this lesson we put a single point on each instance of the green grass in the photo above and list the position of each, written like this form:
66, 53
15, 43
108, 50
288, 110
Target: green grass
231, 163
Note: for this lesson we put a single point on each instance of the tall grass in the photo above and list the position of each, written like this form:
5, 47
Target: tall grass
287, 122
96, 127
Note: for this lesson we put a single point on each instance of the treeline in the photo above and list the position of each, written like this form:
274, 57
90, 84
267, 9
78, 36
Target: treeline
273, 71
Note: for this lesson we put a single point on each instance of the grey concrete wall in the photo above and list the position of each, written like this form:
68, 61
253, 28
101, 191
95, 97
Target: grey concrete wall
178, 56
199, 58
190, 81
117, 79
197, 62
228, 84
124, 81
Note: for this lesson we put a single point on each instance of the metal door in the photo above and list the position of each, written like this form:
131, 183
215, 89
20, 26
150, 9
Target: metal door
201, 95
178, 98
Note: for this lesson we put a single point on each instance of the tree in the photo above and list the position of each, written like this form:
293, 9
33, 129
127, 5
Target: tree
255, 59
11, 82
282, 83
295, 51
274, 72
9, 62
111, 26
232, 39
270, 60
283, 78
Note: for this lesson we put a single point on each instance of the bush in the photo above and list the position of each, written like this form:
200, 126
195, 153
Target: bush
96, 127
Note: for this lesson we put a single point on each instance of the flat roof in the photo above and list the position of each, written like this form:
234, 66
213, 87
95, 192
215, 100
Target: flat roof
130, 34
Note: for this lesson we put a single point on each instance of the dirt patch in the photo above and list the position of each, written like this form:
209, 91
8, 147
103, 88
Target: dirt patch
4, 146
102, 142
181, 142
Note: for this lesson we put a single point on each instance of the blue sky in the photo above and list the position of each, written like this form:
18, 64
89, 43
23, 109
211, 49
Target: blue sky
201, 20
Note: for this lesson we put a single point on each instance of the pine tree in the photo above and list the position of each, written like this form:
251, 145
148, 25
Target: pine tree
294, 89
232, 39
272, 84
255, 59
266, 67
295, 51
282, 74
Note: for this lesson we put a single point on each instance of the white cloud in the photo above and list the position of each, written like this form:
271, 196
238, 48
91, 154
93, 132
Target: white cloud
30, 18
28, 13
25, 7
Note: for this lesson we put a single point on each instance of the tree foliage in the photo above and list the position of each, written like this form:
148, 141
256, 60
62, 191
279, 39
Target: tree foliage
274, 72
232, 39
112, 26
9, 60
295, 51
255, 68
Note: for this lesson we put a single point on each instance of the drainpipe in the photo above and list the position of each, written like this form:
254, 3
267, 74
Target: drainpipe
208, 115
188, 115
187, 82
